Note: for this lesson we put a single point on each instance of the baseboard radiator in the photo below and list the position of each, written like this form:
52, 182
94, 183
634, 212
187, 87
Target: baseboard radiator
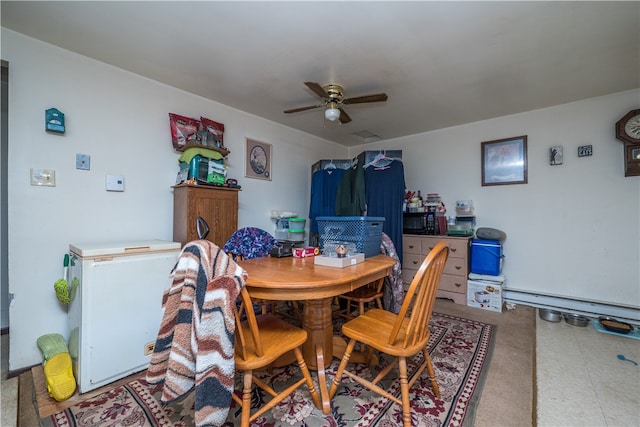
570, 305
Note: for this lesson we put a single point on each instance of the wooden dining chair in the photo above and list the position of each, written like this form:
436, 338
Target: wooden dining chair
372, 292
260, 340
253, 242
401, 335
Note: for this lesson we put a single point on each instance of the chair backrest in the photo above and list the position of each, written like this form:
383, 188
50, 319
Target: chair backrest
244, 312
415, 312
250, 242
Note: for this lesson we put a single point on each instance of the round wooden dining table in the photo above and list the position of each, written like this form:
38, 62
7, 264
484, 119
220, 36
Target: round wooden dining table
300, 279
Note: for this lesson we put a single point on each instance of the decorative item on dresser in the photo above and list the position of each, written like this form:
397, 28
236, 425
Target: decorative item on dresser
218, 206
453, 284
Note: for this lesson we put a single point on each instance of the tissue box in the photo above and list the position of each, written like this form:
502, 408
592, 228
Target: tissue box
485, 295
332, 261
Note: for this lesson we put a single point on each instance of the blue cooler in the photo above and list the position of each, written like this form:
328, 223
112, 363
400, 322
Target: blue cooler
486, 257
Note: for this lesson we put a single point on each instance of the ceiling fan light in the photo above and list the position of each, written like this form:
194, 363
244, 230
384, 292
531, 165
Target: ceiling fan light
332, 114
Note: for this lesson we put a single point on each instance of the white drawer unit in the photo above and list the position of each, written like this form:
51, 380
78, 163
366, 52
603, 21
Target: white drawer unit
453, 284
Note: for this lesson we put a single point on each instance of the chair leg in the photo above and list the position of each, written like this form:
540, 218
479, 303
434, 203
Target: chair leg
343, 363
307, 376
404, 388
246, 399
432, 373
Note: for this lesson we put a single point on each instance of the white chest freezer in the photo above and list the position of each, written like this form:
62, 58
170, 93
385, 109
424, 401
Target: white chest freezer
116, 307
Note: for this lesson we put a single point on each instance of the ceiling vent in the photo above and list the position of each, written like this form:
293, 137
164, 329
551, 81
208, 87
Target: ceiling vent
367, 136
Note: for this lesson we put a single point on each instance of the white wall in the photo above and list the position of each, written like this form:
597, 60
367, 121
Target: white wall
574, 229
121, 121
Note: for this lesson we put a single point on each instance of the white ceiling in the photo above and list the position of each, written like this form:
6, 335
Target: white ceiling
441, 63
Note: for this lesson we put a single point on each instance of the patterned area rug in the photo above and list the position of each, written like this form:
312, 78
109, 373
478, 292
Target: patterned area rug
460, 350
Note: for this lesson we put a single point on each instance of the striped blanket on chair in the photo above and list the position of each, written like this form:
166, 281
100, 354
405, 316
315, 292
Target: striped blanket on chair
195, 344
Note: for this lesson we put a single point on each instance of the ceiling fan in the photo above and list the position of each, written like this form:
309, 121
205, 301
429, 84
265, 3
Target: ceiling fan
332, 99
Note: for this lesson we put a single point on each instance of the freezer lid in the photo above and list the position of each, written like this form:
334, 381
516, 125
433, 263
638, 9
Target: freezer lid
123, 248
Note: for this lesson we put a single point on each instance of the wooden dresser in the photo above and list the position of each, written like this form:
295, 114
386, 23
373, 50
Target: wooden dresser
218, 206
453, 284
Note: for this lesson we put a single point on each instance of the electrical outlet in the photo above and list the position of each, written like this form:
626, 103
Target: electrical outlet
83, 161
149, 347
43, 177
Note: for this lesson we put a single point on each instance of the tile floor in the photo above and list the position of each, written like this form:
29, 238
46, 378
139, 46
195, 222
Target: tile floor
8, 388
580, 380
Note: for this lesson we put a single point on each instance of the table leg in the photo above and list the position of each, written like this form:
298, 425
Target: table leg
322, 383
316, 320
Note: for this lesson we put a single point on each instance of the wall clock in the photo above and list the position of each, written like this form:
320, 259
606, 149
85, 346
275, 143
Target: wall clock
628, 127
628, 131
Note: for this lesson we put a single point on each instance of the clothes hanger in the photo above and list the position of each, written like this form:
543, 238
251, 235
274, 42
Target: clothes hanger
330, 165
381, 161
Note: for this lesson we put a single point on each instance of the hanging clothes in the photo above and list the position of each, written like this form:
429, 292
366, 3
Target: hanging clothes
384, 197
350, 198
324, 188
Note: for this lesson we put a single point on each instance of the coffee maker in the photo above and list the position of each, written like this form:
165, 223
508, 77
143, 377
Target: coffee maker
432, 222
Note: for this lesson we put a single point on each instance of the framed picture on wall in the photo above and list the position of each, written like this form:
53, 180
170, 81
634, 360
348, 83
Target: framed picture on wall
504, 161
258, 160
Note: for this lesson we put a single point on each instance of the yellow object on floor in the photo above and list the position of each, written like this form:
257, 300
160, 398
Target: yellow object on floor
58, 371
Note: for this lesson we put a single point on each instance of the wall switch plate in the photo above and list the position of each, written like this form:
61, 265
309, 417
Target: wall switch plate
43, 177
115, 183
83, 161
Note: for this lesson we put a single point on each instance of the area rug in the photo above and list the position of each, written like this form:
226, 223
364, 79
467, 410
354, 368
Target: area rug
460, 350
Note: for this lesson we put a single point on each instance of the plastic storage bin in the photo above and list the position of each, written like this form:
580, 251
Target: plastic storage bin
486, 257
364, 231
296, 235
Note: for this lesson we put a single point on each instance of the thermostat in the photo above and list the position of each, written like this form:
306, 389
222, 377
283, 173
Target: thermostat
115, 183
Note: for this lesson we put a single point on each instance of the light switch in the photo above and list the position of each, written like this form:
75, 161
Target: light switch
115, 183
83, 161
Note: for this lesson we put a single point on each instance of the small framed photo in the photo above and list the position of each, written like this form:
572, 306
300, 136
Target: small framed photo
556, 156
504, 161
258, 160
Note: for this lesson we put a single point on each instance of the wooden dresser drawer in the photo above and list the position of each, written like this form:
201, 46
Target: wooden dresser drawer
457, 267
453, 283
411, 245
458, 248
412, 261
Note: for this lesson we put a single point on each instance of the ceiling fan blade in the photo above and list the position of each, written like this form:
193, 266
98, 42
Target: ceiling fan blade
379, 97
297, 110
344, 117
315, 87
